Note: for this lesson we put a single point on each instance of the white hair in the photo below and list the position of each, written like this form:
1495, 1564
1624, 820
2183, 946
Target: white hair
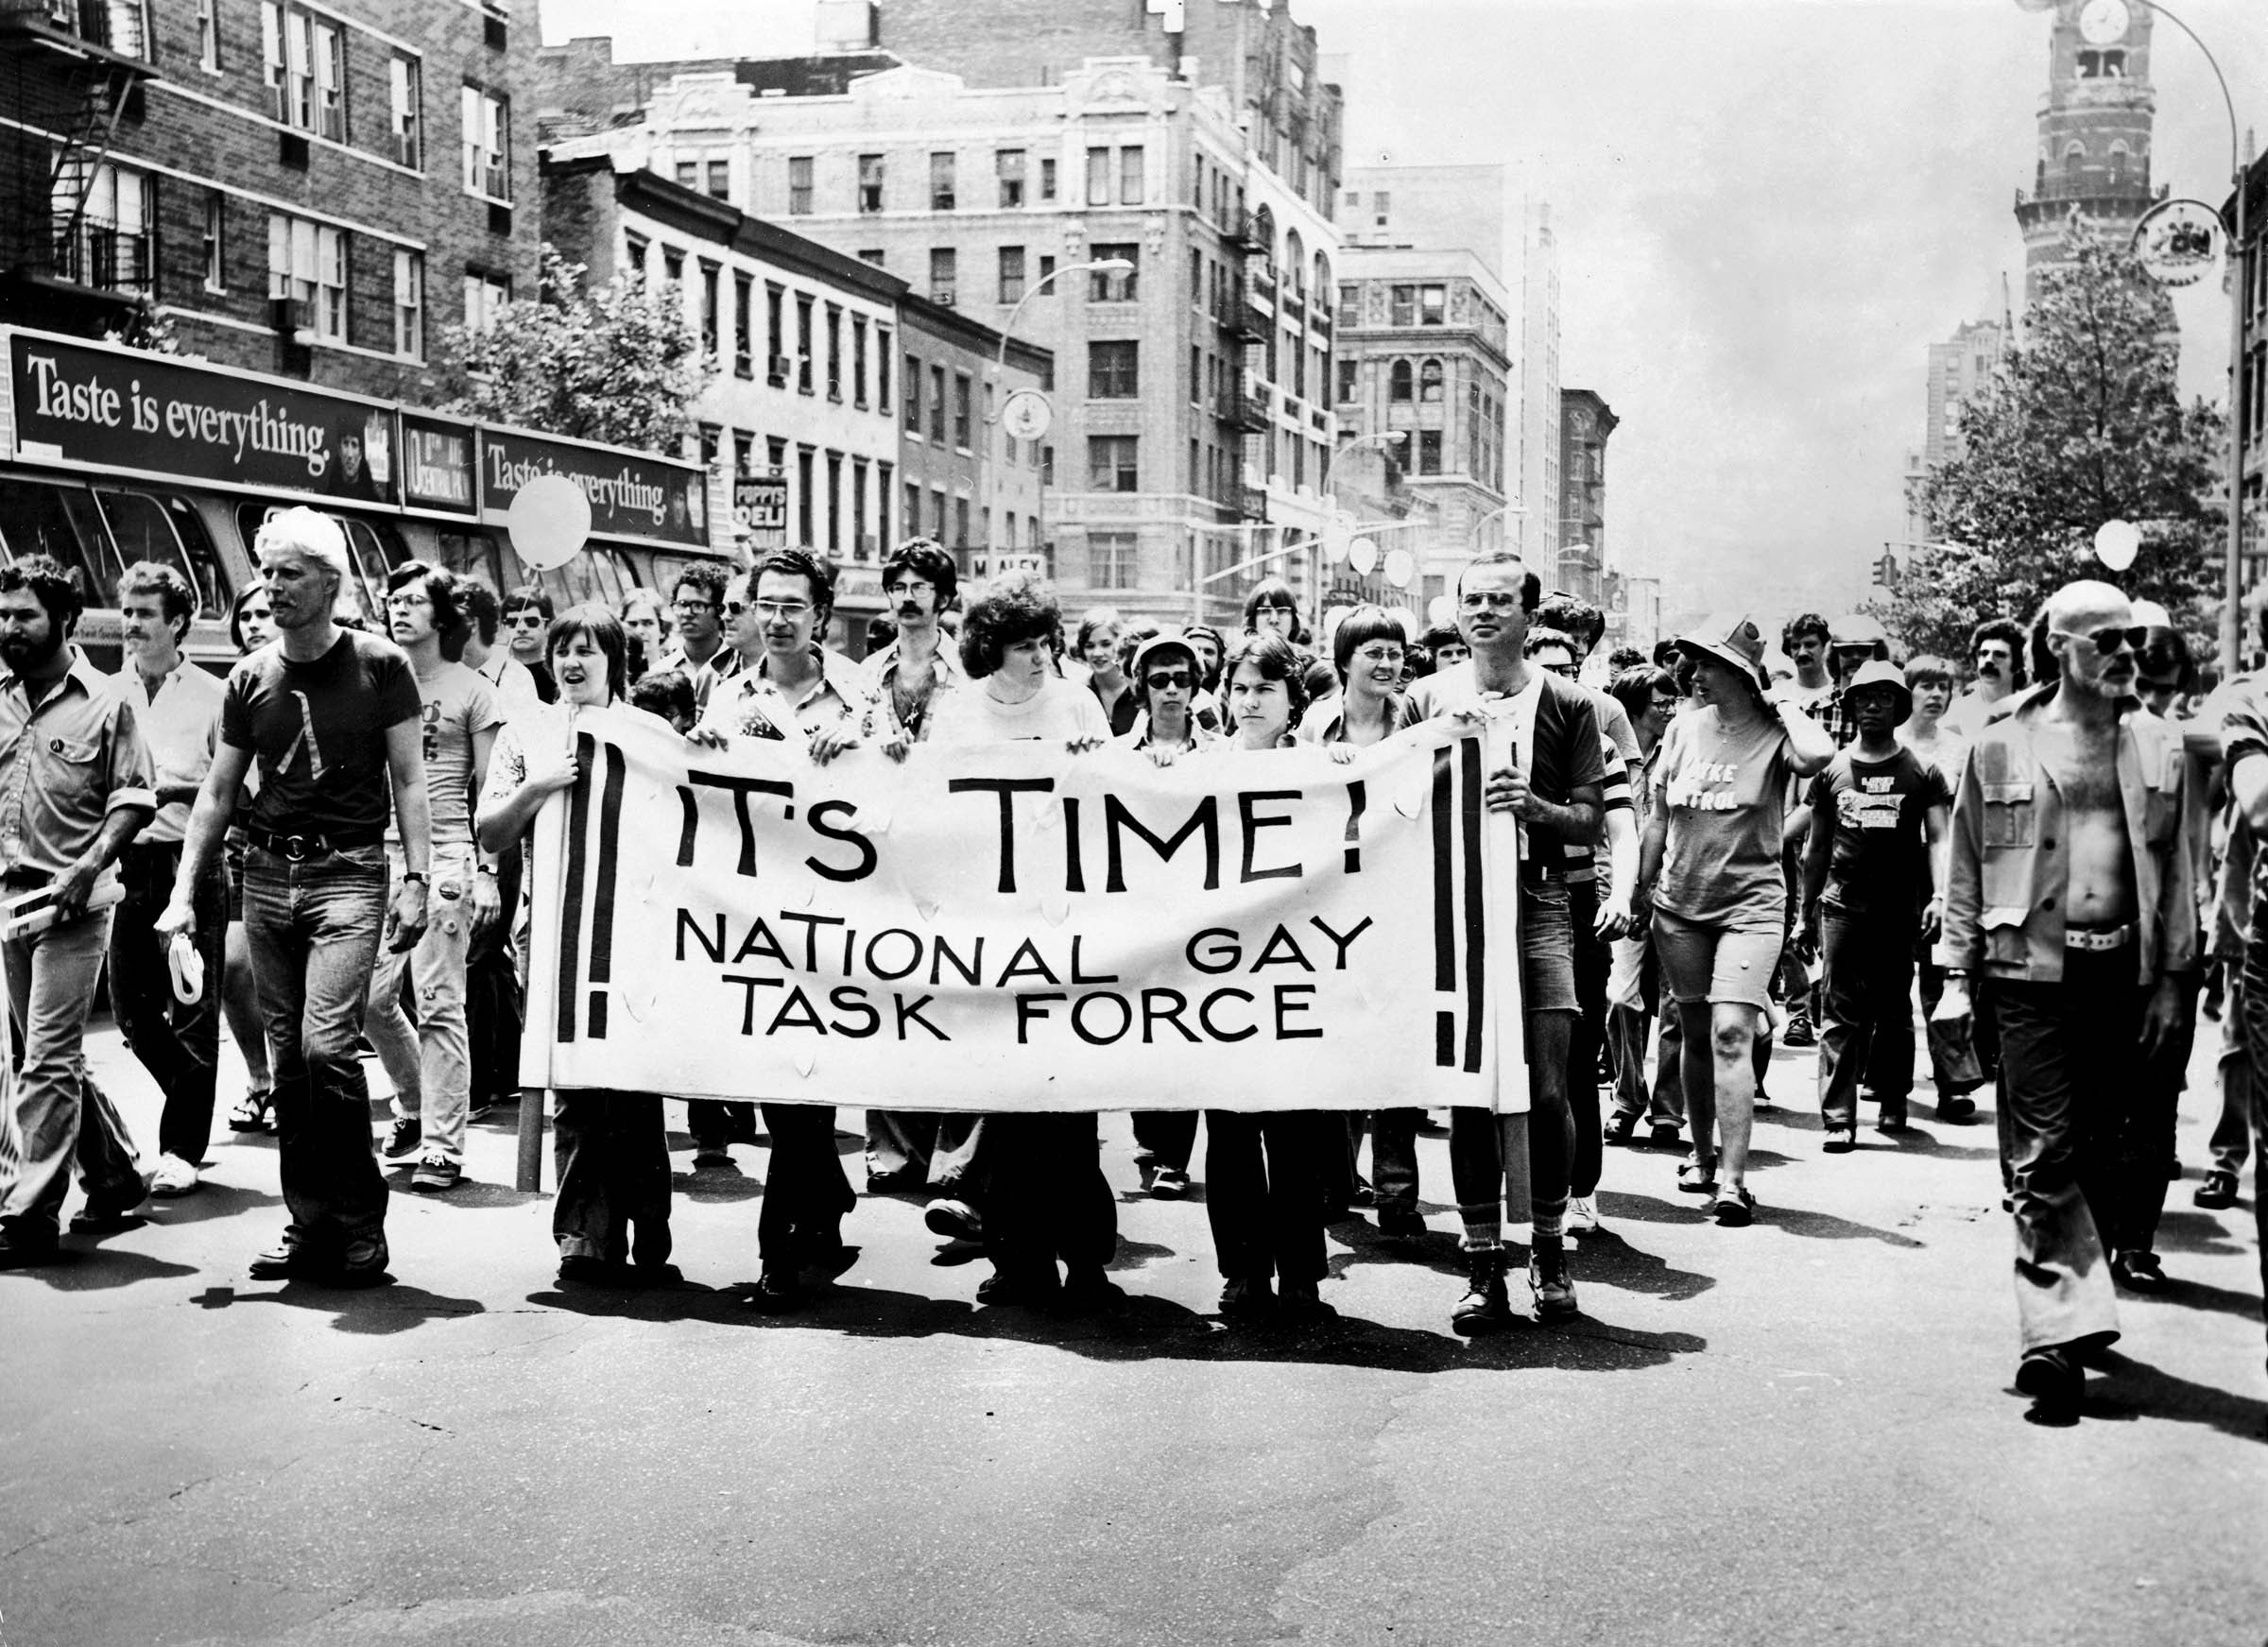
310, 533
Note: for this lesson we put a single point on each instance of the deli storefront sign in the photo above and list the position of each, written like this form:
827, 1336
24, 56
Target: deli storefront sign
634, 495
98, 406
440, 466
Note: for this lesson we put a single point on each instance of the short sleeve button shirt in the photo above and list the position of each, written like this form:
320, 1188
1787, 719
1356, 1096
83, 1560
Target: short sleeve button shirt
65, 765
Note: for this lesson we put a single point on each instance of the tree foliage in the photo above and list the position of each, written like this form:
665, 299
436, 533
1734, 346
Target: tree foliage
2084, 423
615, 364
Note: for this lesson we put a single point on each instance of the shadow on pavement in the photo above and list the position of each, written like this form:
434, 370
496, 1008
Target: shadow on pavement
2186, 1295
469, 1193
1914, 1140
2207, 1234
1133, 1255
716, 1185
1604, 1256
372, 1311
209, 1200
2131, 1389
82, 1269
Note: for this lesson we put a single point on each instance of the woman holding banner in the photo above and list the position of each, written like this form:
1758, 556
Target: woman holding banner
1264, 1173
613, 1151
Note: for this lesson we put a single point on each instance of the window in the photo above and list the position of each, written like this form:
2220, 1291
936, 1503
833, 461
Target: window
109, 249
744, 345
1432, 306
1429, 381
208, 36
673, 266
488, 129
834, 351
709, 294
1105, 287
712, 439
1404, 308
802, 344
1047, 180
1112, 370
870, 184
404, 77
775, 333
1196, 376
913, 510
1011, 274
721, 178
1047, 271
689, 174
882, 369
1047, 466
799, 189
1197, 278
834, 502
329, 53
873, 255
409, 304
308, 261
1348, 381
1008, 163
961, 523
484, 294
633, 254
940, 182
858, 359
803, 466
1379, 204
912, 394
937, 510
884, 481
1110, 559
744, 452
1111, 462
1130, 182
216, 247
960, 410
936, 404
1429, 452
942, 265
1098, 177
858, 505
1399, 381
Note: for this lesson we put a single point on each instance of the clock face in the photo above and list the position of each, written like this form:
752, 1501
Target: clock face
1027, 416
2103, 22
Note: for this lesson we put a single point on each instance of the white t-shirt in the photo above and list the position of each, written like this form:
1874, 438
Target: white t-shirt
1058, 710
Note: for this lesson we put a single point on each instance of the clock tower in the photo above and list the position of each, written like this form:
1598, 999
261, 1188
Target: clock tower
2095, 129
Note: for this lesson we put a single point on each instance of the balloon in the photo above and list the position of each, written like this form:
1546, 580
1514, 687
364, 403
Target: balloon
549, 522
1440, 610
2117, 542
1401, 566
1362, 555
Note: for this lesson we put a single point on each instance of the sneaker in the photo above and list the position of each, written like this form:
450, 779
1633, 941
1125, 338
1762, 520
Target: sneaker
402, 1139
2219, 1190
2138, 1271
1582, 1214
1402, 1224
1547, 1279
955, 1220
174, 1177
435, 1172
1840, 1141
1799, 1032
1485, 1306
1169, 1184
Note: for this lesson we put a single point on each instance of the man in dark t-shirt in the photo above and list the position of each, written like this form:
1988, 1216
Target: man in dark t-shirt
1868, 896
332, 715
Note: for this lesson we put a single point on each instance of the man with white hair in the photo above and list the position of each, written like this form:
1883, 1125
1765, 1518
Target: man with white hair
332, 715
2071, 897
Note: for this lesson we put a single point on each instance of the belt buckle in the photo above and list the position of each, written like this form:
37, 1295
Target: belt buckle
295, 849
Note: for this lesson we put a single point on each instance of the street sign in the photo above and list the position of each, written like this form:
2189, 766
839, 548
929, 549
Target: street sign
760, 505
2178, 242
1026, 415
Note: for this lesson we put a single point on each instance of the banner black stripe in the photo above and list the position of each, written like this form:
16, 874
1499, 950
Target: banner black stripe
1445, 943
609, 837
1476, 995
1358, 797
570, 912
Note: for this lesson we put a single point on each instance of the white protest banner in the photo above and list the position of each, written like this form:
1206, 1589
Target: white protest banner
1015, 928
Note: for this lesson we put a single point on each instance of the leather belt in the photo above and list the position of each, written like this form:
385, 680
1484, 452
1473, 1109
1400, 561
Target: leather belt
1535, 874
2099, 941
299, 848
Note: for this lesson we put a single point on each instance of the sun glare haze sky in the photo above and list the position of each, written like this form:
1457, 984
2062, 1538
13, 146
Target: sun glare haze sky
1766, 211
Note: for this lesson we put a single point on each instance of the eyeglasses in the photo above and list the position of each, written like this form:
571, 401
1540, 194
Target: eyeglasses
906, 588
1379, 652
693, 605
1667, 705
782, 609
530, 619
1492, 600
734, 608
2109, 642
1169, 681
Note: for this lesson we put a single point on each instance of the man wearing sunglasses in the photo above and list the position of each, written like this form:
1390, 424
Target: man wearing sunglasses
2071, 904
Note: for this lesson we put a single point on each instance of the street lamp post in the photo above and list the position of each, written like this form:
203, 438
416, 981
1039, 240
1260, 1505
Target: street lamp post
1384, 440
1472, 532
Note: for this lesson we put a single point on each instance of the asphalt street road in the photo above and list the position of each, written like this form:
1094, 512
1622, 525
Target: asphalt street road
1801, 1431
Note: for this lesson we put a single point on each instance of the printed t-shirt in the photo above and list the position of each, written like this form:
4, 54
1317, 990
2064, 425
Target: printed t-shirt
1563, 743
1058, 710
1726, 797
318, 733
455, 704
1877, 864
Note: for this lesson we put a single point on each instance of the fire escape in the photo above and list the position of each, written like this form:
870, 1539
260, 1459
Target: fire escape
1246, 404
77, 241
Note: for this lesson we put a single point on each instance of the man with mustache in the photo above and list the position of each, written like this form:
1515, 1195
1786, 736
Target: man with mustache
1997, 645
76, 786
2071, 897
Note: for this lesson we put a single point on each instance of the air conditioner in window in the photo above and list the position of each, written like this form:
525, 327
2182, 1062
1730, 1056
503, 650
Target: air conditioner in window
285, 314
777, 367
495, 182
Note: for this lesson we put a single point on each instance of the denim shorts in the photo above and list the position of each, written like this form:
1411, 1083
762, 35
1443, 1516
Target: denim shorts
1547, 948
1709, 963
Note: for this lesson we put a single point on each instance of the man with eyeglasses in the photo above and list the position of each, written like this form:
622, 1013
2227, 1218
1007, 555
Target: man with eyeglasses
697, 603
2071, 897
1555, 787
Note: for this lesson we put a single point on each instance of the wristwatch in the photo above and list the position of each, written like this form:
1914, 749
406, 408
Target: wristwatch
488, 869
416, 875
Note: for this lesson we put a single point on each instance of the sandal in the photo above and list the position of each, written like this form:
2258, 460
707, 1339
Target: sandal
251, 1111
1735, 1208
1696, 1176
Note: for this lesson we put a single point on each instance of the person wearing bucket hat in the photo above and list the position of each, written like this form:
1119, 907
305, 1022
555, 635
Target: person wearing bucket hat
1712, 858
1867, 895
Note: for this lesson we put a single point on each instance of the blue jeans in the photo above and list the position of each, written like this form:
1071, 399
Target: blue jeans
314, 929
430, 1063
60, 1114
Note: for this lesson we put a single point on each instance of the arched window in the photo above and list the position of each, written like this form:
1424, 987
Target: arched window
2118, 161
1263, 232
1398, 380
1322, 284
1294, 266
1429, 381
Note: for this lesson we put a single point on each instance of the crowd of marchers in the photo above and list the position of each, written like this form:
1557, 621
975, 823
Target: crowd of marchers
2048, 842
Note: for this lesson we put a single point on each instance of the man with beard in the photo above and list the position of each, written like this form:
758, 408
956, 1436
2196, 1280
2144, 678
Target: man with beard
76, 786
331, 714
1997, 646
2067, 841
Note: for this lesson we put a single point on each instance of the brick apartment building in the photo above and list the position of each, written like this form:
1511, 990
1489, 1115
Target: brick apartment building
309, 190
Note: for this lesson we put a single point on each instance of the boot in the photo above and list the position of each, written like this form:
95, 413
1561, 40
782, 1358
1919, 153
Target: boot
1484, 1308
1553, 1287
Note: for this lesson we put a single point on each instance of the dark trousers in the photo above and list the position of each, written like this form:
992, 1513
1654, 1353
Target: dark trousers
612, 1150
1393, 1158
2071, 1067
717, 1122
1264, 1190
495, 1010
1586, 1037
2145, 1145
1984, 1036
1049, 1199
1866, 1011
2253, 988
805, 1190
177, 1044
1165, 1138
